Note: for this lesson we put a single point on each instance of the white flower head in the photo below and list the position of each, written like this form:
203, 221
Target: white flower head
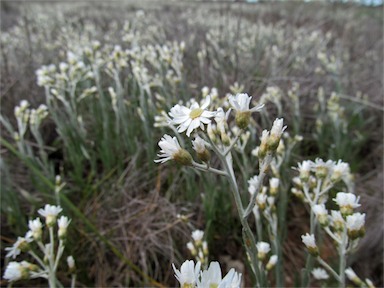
211, 277
197, 235
35, 227
305, 169
231, 280
71, 264
171, 150
241, 103
20, 245
341, 170
261, 200
272, 262
188, 273
50, 213
253, 184
274, 183
347, 202
309, 240
191, 118
278, 128
355, 225
321, 168
15, 271
221, 118
319, 210
320, 274
63, 223
351, 275
263, 249
199, 145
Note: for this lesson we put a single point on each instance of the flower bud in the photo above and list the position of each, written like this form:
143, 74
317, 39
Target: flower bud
183, 157
242, 119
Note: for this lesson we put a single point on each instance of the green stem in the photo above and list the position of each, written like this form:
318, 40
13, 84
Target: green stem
343, 256
329, 268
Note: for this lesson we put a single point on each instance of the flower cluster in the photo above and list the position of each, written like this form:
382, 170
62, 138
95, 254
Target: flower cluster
199, 247
45, 266
190, 275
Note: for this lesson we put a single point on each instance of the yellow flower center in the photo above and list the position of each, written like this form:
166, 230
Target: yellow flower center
196, 113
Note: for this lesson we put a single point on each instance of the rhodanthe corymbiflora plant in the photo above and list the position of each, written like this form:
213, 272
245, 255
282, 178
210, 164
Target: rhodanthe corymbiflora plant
46, 255
214, 132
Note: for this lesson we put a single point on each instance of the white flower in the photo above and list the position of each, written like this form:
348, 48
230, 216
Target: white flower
319, 210
263, 249
241, 102
305, 169
199, 145
50, 213
36, 228
14, 271
340, 170
277, 128
261, 200
197, 235
253, 184
20, 245
71, 263
272, 262
191, 248
355, 222
351, 274
191, 118
320, 274
221, 119
274, 183
347, 199
347, 202
309, 240
170, 148
231, 280
210, 277
63, 223
322, 168
188, 273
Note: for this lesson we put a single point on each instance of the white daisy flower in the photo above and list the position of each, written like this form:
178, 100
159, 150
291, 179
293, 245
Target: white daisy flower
171, 150
272, 262
310, 243
35, 227
253, 183
20, 245
211, 277
263, 249
14, 271
355, 222
197, 235
50, 213
63, 223
341, 170
188, 273
191, 118
277, 128
320, 274
71, 263
347, 202
321, 213
199, 145
231, 280
241, 103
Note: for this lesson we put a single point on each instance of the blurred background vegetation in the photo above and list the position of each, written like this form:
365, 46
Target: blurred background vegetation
319, 65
